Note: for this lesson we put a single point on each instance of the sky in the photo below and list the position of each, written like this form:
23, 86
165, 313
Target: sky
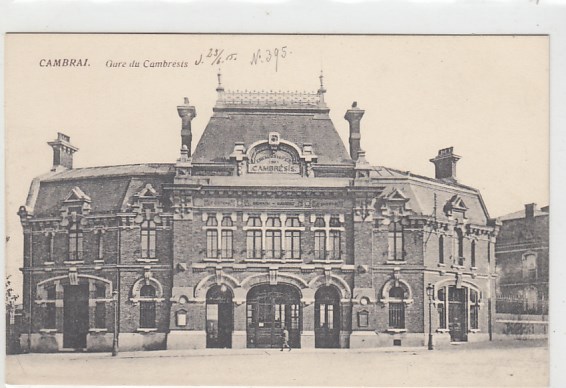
487, 96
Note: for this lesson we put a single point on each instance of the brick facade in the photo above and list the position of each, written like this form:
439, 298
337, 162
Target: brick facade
369, 243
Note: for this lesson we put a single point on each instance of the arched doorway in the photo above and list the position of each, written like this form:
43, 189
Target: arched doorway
219, 317
327, 318
269, 310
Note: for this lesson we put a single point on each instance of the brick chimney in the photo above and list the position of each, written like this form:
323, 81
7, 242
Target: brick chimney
187, 113
445, 164
530, 209
354, 116
62, 152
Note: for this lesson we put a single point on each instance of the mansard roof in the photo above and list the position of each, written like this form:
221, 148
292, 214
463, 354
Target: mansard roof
299, 117
109, 189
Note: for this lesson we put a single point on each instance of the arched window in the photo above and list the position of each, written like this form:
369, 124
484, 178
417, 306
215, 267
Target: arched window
148, 239
460, 245
441, 249
147, 307
75, 241
396, 308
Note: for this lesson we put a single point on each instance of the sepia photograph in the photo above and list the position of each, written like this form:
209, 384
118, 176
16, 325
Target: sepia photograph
277, 209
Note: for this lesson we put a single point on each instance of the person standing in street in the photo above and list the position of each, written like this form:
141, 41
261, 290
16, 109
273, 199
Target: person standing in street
285, 339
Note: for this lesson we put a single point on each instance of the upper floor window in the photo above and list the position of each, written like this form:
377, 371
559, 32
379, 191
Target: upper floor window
473, 254
148, 237
292, 238
273, 238
49, 248
100, 246
460, 246
529, 266
328, 238
253, 238
219, 238
441, 249
396, 241
75, 241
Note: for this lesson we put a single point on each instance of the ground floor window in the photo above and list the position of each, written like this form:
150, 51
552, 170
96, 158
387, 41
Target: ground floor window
147, 307
396, 308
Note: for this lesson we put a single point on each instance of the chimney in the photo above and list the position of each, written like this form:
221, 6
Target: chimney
353, 116
187, 113
62, 152
530, 209
445, 164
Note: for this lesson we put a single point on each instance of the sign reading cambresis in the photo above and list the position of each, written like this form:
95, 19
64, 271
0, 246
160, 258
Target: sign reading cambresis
273, 162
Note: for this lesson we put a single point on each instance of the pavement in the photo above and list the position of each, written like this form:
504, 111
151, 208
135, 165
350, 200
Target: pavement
508, 363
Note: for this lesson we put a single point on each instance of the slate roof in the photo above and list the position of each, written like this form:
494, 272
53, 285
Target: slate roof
110, 188
521, 214
223, 130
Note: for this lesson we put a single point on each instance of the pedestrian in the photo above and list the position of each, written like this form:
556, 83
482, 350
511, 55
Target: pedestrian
285, 339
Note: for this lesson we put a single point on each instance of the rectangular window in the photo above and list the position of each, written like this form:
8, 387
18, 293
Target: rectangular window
293, 244
334, 245
441, 316
212, 244
147, 315
395, 242
148, 240
50, 309
319, 245
295, 314
75, 245
100, 315
474, 310
441, 249
49, 249
396, 315
473, 254
273, 244
253, 244
100, 246
226, 239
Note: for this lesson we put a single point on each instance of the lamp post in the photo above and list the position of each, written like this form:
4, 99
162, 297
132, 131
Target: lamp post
430, 293
115, 338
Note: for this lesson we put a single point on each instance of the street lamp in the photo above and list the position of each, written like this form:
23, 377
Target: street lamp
115, 339
430, 293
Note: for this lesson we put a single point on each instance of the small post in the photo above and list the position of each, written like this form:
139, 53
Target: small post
430, 292
115, 338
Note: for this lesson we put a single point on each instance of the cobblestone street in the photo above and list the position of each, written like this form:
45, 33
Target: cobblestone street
517, 363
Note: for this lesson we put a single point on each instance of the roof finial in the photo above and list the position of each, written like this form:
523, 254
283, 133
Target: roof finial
321, 90
219, 88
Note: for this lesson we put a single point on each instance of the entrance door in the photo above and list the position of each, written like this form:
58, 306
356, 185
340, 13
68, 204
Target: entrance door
75, 316
457, 314
327, 318
270, 309
219, 317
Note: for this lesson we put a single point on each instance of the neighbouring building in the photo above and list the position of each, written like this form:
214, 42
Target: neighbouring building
522, 261
271, 223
